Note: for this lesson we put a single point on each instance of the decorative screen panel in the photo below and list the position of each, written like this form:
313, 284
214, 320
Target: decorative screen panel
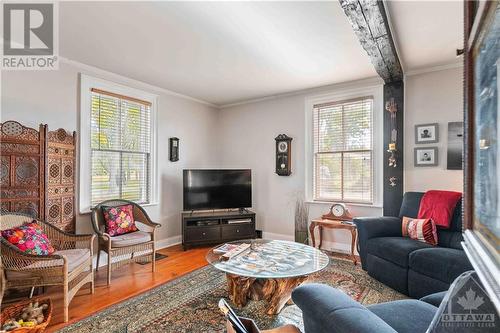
21, 171
60, 179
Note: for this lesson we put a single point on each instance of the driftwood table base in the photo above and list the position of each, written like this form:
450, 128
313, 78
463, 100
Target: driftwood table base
276, 291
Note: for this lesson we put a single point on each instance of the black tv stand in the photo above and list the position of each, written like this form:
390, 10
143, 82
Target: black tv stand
215, 227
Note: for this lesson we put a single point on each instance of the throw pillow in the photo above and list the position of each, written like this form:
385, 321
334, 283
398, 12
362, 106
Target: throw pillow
119, 220
30, 239
423, 230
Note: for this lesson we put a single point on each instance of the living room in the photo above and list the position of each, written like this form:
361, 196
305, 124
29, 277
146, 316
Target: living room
313, 132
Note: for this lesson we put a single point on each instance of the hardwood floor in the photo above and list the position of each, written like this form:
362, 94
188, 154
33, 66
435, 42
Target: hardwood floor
128, 281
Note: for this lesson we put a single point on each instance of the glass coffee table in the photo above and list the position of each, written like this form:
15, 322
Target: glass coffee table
268, 270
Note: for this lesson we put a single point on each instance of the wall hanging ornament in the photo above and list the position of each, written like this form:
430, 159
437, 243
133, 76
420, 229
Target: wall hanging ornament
392, 181
391, 107
173, 149
283, 155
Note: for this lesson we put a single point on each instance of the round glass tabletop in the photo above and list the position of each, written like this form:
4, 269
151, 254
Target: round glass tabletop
271, 259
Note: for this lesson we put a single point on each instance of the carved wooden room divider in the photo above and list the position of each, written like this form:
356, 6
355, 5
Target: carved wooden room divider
37, 173
60, 179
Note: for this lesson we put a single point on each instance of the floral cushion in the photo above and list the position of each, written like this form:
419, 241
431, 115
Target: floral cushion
29, 238
119, 220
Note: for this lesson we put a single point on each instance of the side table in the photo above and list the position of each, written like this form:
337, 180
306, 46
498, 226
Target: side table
333, 224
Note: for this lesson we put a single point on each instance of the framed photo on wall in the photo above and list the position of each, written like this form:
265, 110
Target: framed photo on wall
427, 133
427, 156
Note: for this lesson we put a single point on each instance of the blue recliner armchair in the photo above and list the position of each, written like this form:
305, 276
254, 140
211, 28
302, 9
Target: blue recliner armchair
329, 310
411, 267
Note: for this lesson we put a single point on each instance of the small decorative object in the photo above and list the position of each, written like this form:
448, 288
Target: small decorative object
392, 108
338, 212
455, 145
426, 156
27, 316
392, 156
174, 149
283, 155
426, 133
392, 181
301, 221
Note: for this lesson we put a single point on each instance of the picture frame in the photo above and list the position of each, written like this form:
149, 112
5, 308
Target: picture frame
426, 133
454, 153
426, 156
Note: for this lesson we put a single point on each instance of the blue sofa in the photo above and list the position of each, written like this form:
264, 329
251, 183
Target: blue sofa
411, 267
329, 310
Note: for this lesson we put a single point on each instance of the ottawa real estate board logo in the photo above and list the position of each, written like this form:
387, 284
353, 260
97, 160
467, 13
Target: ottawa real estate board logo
30, 36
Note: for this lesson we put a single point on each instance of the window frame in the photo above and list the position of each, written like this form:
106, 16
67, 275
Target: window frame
86, 84
374, 89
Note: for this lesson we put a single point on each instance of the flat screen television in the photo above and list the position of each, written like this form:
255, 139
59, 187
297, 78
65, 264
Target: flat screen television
217, 189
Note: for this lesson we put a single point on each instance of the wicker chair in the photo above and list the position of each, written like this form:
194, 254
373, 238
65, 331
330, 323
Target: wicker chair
70, 266
138, 246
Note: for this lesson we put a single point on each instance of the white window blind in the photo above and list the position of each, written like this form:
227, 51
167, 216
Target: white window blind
343, 151
120, 148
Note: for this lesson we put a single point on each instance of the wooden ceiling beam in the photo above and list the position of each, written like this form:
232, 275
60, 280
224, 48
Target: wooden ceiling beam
369, 21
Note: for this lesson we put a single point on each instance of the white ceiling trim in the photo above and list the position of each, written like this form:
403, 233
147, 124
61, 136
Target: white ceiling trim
128, 81
455, 64
328, 88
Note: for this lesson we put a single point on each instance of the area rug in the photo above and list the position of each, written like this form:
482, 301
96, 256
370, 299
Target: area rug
189, 303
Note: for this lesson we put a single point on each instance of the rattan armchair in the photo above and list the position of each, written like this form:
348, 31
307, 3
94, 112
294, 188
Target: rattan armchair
138, 246
70, 266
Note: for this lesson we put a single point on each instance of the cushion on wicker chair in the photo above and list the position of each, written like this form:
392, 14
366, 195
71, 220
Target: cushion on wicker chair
75, 258
131, 238
119, 219
29, 238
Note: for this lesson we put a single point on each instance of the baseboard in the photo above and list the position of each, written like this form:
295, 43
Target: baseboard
326, 245
272, 235
160, 244
163, 243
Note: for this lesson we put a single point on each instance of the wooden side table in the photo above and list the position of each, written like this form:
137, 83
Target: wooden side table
332, 224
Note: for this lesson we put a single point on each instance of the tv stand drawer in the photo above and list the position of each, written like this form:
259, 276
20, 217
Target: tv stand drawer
238, 231
201, 234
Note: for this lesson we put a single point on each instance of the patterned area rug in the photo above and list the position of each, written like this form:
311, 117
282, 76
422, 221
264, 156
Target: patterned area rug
189, 303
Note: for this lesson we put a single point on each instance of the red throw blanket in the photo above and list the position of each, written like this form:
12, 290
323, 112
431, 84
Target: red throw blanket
439, 206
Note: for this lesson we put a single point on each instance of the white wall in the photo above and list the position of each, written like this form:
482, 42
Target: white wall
240, 136
246, 140
51, 97
432, 97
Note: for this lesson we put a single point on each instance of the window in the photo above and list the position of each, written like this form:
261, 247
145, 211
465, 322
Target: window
117, 144
343, 151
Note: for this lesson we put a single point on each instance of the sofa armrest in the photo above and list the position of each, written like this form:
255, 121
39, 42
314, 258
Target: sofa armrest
372, 227
329, 310
434, 299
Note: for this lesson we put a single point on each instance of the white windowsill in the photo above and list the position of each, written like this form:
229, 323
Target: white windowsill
345, 203
88, 211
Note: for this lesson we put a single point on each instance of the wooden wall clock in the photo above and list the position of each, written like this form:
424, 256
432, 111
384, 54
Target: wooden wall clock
283, 155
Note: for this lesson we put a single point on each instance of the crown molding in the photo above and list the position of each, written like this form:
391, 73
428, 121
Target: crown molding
129, 81
434, 68
325, 89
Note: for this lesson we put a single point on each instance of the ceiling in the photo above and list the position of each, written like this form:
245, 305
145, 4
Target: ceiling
227, 52
219, 52
427, 33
